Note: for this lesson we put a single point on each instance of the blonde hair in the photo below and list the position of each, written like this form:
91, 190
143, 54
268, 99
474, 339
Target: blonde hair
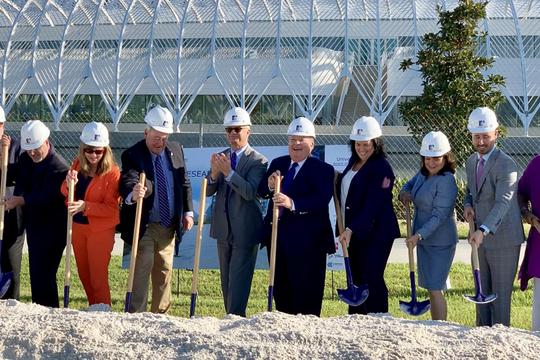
104, 165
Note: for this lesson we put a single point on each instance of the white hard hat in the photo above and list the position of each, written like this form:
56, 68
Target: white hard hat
95, 134
482, 120
236, 117
33, 134
301, 127
160, 119
434, 144
2, 115
365, 129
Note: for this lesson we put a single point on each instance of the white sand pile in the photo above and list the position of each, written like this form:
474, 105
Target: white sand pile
35, 332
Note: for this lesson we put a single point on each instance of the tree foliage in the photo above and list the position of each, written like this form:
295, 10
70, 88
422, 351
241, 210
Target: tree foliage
452, 77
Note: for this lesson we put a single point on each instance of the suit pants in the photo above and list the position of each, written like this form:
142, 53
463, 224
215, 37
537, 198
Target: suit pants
236, 265
498, 270
368, 261
93, 253
299, 280
15, 257
155, 258
45, 250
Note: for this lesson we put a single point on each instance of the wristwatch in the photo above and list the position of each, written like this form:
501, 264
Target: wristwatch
420, 237
484, 230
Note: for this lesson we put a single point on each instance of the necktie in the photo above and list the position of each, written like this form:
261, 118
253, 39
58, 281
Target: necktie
163, 198
287, 182
479, 171
233, 160
289, 177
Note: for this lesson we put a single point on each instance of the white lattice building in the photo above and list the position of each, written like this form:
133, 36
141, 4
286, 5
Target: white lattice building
325, 59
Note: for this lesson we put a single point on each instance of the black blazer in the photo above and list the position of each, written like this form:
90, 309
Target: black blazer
137, 159
45, 210
369, 211
311, 191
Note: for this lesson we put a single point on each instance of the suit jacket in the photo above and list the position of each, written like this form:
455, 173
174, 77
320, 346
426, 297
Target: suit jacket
311, 191
137, 159
369, 212
434, 201
101, 198
44, 211
245, 210
495, 201
12, 219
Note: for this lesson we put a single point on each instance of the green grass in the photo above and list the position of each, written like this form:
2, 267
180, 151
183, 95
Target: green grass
210, 302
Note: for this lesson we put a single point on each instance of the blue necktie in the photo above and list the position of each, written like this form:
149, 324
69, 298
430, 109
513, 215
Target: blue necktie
287, 182
234, 157
163, 198
289, 177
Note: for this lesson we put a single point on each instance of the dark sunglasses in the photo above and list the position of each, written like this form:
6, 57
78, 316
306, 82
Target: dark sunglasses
236, 129
94, 151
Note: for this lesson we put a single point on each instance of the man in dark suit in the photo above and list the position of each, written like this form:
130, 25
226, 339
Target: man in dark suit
304, 230
491, 202
237, 213
167, 208
11, 218
37, 191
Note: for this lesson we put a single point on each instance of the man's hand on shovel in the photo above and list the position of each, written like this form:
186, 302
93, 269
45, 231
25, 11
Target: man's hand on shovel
272, 179
345, 237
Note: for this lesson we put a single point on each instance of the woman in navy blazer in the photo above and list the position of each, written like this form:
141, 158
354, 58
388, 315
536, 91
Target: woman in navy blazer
365, 193
433, 191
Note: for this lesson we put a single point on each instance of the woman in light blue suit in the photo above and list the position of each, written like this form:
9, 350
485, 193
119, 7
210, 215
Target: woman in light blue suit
433, 191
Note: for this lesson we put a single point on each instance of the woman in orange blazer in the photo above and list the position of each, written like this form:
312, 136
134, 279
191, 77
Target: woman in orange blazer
95, 210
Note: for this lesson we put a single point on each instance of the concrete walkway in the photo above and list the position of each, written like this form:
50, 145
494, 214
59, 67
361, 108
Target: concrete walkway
398, 254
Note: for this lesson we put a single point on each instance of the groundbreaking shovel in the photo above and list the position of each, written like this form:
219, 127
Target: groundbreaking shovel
197, 255
273, 245
479, 297
134, 245
5, 277
413, 307
69, 233
353, 295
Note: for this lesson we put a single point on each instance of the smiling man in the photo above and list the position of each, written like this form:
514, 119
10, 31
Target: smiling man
304, 230
235, 174
491, 203
167, 207
37, 190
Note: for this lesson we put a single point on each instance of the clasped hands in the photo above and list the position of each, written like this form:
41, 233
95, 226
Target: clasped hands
279, 199
74, 207
220, 163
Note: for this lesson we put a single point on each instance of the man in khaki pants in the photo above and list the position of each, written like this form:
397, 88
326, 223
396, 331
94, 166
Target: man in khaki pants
167, 208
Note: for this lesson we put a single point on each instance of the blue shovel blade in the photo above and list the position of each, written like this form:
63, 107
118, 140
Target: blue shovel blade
481, 298
5, 282
354, 295
414, 307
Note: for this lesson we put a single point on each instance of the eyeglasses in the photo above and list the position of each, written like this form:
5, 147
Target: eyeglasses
94, 151
236, 129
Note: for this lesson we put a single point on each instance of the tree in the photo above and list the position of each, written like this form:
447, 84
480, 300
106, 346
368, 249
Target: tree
452, 77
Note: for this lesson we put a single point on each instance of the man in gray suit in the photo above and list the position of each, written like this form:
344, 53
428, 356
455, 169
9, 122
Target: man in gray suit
237, 213
492, 203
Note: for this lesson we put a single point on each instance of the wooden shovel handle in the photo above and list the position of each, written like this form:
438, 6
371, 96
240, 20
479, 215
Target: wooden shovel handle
136, 230
409, 234
474, 247
3, 181
69, 233
273, 239
339, 216
198, 240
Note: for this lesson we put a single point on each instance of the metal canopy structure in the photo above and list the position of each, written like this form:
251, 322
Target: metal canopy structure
244, 49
